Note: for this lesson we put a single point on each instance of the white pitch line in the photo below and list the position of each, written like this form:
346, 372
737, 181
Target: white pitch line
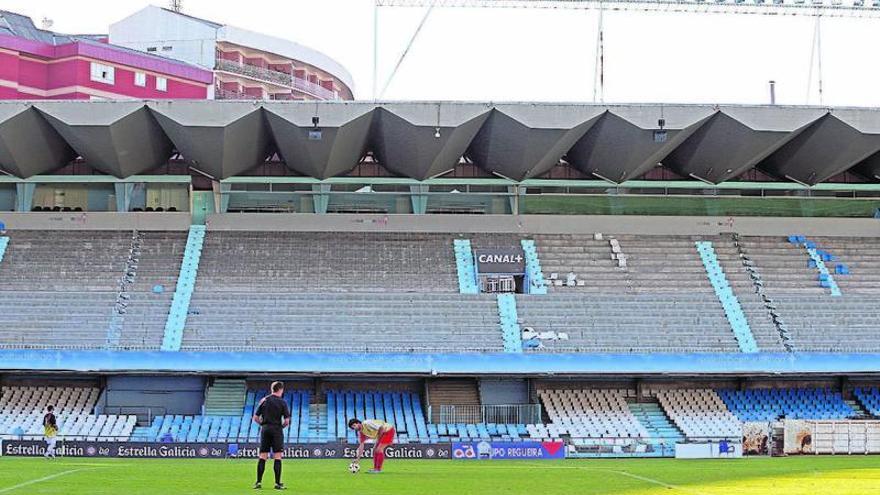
656, 482
45, 478
615, 471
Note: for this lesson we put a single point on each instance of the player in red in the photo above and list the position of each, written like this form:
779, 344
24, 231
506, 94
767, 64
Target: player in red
380, 432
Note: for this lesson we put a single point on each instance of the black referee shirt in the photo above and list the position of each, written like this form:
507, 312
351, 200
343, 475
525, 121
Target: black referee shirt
273, 410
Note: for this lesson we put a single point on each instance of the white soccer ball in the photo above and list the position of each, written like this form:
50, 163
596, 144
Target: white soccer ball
354, 468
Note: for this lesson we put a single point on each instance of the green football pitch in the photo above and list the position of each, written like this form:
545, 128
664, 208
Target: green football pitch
757, 476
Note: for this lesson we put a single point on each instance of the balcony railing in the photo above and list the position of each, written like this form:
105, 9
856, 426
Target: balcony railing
515, 414
225, 94
276, 77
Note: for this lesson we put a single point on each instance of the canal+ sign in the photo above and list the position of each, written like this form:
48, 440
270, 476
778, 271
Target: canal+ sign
500, 260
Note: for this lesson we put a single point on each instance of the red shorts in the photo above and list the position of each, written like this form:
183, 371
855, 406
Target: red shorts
387, 438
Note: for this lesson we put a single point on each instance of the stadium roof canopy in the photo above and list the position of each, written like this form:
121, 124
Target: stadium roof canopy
421, 140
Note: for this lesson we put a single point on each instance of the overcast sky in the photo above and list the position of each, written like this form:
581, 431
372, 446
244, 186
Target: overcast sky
545, 55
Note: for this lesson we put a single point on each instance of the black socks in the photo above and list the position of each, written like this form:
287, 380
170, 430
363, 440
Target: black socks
277, 471
261, 468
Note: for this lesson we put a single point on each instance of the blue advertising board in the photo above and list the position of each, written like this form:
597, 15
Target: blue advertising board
508, 450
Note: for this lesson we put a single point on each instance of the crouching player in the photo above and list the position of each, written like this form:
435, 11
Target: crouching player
380, 432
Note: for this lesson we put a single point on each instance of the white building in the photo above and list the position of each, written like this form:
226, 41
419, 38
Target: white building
246, 65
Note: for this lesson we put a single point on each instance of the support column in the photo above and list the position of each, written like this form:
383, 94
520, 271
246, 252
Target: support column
124, 192
321, 198
517, 194
419, 198
225, 189
24, 196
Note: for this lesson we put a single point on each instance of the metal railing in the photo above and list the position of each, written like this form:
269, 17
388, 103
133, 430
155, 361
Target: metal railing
503, 414
275, 77
225, 94
255, 72
146, 412
314, 89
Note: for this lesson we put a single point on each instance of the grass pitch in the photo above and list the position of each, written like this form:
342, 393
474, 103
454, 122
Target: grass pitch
759, 476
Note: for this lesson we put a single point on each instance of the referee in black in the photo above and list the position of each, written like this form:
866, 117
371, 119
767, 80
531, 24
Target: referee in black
273, 416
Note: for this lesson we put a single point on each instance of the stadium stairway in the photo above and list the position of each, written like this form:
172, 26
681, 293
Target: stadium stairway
317, 424
869, 399
534, 274
659, 426
817, 261
225, 397
511, 332
859, 412
4, 241
464, 262
732, 308
186, 283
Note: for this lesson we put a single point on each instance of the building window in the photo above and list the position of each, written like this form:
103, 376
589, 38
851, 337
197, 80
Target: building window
161, 84
103, 73
167, 48
140, 79
151, 49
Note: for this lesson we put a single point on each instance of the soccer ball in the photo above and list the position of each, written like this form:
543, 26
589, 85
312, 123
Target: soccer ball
354, 467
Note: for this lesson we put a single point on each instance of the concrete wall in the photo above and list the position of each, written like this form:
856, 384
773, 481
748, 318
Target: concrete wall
464, 224
547, 224
96, 221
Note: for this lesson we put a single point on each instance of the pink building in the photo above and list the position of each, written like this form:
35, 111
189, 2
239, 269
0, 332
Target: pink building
37, 64
246, 64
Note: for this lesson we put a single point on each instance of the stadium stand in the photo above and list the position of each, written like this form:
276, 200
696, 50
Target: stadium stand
149, 297
628, 322
699, 413
662, 280
402, 409
586, 257
770, 404
815, 320
228, 428
327, 422
381, 322
58, 289
327, 262
22, 409
591, 413
737, 268
869, 397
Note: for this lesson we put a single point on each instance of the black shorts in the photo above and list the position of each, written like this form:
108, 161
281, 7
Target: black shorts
271, 438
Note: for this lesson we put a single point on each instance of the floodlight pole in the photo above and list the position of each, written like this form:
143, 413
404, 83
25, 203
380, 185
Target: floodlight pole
599, 68
375, 49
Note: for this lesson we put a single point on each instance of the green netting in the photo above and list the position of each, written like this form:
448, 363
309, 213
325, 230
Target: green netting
697, 206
